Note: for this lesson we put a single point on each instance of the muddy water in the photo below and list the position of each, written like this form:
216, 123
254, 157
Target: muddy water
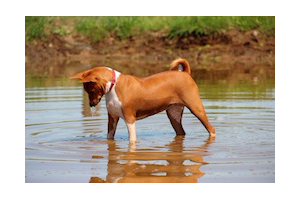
66, 142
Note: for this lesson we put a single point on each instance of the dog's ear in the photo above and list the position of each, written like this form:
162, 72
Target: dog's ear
77, 76
89, 79
84, 77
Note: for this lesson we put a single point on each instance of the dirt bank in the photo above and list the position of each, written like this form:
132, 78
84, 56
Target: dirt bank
248, 52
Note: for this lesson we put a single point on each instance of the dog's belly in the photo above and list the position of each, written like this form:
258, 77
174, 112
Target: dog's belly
141, 114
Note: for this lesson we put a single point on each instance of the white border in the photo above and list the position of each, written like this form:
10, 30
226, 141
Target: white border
12, 101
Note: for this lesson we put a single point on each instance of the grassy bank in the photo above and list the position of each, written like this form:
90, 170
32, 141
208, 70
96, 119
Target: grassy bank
96, 29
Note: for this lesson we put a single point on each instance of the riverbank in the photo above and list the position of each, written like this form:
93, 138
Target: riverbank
248, 50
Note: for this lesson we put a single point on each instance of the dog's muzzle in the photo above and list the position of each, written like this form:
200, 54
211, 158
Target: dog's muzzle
94, 104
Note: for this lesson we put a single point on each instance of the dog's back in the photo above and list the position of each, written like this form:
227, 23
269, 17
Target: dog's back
157, 92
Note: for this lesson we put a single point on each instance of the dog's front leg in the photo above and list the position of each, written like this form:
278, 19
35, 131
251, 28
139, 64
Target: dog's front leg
130, 123
112, 126
131, 131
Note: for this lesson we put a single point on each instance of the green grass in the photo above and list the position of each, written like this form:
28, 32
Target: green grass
96, 28
35, 27
264, 24
199, 26
99, 28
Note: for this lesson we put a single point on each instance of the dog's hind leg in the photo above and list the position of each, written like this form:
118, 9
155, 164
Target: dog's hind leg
112, 126
194, 104
174, 113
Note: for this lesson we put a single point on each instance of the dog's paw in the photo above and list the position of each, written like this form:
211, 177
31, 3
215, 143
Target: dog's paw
212, 133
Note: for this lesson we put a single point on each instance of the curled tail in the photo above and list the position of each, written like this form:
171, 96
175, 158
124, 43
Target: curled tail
180, 65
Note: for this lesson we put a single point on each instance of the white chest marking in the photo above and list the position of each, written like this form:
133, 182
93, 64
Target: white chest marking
113, 103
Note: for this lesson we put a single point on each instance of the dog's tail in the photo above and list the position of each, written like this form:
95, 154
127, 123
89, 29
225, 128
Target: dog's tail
180, 65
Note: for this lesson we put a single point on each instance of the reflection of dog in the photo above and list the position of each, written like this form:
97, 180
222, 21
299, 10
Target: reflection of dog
138, 167
133, 98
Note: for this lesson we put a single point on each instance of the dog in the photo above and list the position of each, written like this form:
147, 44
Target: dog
132, 98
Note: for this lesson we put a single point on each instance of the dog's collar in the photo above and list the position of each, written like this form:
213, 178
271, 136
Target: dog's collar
113, 80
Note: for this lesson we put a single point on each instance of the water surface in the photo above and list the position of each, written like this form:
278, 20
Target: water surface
66, 142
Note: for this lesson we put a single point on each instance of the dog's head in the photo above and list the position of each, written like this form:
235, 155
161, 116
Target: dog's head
94, 83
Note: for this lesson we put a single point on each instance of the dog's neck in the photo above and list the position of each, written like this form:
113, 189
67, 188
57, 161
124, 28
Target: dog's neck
112, 84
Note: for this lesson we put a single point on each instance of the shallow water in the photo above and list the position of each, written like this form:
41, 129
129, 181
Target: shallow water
66, 142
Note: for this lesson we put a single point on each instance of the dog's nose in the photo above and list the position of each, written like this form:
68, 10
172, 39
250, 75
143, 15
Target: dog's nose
91, 105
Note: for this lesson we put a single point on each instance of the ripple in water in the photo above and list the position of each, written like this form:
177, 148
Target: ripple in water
66, 141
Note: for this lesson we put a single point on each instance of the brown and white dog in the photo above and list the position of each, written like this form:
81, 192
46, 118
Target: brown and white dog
132, 98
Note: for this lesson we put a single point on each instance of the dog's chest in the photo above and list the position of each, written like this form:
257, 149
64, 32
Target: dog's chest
113, 104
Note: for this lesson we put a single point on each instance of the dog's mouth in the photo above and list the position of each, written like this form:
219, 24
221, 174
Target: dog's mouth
93, 104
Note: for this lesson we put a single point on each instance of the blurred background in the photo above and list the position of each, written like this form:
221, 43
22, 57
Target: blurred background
230, 48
